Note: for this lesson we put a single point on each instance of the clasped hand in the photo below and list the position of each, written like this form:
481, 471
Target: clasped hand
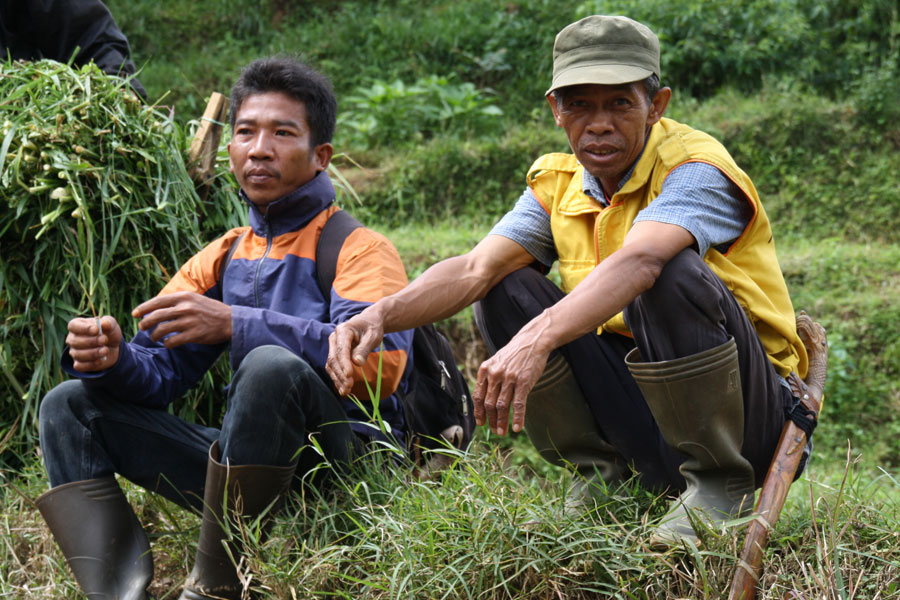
93, 343
176, 319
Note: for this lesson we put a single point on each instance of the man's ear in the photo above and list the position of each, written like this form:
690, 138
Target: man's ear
230, 162
658, 106
551, 99
322, 156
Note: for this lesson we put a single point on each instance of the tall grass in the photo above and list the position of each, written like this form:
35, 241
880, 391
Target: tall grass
492, 529
96, 212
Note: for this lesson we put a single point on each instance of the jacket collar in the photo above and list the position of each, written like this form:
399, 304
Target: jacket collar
293, 211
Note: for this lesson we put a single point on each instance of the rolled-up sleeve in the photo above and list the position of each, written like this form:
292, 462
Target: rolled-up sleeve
700, 198
528, 224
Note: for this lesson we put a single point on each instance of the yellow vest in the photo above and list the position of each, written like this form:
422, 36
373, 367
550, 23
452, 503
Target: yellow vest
585, 232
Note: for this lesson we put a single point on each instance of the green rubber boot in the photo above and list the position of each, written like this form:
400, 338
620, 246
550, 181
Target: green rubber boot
561, 426
698, 406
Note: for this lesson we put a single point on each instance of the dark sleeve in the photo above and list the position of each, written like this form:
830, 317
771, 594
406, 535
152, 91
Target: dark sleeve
148, 373
59, 26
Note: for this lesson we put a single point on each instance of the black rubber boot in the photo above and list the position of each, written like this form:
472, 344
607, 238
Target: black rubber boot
101, 538
698, 404
247, 490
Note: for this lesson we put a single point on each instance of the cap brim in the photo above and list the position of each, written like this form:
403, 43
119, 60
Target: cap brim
598, 74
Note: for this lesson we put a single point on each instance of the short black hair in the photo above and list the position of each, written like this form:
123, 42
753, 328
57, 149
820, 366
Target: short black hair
298, 81
651, 87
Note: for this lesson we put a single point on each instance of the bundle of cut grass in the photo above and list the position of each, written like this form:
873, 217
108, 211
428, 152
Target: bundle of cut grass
96, 210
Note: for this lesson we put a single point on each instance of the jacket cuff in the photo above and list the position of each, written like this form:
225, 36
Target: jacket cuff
67, 364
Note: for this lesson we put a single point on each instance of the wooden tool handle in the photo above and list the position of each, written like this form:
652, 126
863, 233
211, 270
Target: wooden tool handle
784, 465
205, 145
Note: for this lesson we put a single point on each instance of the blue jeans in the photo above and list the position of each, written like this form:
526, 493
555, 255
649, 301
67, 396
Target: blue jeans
275, 403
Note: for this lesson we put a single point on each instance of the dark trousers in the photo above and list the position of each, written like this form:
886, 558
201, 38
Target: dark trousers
276, 401
688, 310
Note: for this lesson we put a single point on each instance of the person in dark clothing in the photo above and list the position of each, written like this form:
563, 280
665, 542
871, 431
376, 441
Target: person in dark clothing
56, 29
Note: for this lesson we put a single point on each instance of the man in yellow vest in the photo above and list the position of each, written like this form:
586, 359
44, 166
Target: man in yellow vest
665, 352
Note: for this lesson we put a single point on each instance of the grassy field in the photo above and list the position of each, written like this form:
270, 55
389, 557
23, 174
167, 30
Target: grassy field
439, 124
494, 527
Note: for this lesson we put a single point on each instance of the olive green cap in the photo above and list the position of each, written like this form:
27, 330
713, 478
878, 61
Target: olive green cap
605, 50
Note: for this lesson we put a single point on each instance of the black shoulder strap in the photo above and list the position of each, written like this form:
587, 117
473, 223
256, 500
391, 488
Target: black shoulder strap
335, 231
229, 254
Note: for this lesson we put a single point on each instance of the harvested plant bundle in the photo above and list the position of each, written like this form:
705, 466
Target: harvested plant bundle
96, 210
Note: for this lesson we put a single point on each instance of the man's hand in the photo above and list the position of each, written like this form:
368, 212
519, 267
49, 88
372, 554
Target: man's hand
93, 343
505, 379
191, 318
348, 347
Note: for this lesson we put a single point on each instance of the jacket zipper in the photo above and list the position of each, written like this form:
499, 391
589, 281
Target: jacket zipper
260, 262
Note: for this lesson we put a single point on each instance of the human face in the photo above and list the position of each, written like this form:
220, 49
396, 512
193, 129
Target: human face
607, 126
270, 152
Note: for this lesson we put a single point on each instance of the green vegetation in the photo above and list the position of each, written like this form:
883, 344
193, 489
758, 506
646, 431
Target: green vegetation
397, 115
493, 529
442, 112
97, 211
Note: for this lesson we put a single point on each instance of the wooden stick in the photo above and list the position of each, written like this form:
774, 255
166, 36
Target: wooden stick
205, 145
784, 465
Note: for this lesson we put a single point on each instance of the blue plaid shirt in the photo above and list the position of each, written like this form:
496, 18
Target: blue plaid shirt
696, 196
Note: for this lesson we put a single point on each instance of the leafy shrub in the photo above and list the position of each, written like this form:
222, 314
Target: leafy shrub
852, 36
875, 93
210, 42
827, 44
707, 45
402, 115
503, 47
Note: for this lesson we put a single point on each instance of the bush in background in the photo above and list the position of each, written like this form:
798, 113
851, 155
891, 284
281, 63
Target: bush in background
476, 178
708, 45
401, 116
826, 44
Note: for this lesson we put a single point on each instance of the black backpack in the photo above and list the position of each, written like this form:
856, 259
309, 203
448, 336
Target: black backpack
438, 407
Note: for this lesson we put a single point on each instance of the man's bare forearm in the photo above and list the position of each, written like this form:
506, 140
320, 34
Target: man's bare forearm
450, 285
601, 296
440, 292
612, 285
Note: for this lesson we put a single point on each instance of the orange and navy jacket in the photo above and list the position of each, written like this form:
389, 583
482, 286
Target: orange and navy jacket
270, 284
